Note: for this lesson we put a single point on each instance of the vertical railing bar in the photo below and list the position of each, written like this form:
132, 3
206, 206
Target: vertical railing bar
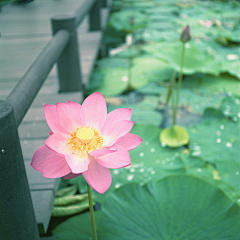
95, 16
68, 64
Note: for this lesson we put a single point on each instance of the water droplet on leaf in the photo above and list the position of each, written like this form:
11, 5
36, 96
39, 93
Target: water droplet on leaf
141, 154
117, 185
229, 145
152, 150
116, 172
130, 177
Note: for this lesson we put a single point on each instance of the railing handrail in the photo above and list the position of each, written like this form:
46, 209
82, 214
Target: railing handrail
81, 12
28, 86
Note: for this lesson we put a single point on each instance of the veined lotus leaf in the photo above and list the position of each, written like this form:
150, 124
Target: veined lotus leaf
223, 83
112, 81
177, 207
146, 69
231, 108
196, 208
76, 228
113, 62
216, 141
229, 57
233, 35
121, 21
154, 35
194, 99
143, 112
128, 53
194, 62
224, 175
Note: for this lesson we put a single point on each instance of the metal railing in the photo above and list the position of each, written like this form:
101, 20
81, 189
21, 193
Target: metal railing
17, 219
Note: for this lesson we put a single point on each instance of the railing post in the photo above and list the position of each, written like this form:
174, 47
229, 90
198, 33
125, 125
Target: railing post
68, 64
17, 219
95, 17
104, 3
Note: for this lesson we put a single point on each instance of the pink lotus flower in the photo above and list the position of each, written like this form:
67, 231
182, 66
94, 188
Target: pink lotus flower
86, 140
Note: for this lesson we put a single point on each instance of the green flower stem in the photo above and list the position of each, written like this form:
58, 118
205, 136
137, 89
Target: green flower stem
179, 85
129, 63
92, 212
171, 87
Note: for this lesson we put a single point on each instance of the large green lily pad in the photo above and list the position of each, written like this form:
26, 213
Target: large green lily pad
109, 81
147, 68
176, 207
194, 99
222, 84
122, 74
121, 21
143, 112
216, 141
76, 228
228, 56
231, 108
194, 62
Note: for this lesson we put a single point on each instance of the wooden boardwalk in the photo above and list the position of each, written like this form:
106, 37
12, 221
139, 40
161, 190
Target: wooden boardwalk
25, 30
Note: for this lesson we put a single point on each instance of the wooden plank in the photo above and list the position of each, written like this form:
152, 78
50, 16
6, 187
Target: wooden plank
43, 203
30, 146
33, 130
38, 182
20, 55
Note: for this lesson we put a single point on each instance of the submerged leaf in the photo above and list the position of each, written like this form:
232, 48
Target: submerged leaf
59, 211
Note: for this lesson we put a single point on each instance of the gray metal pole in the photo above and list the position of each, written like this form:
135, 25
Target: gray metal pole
17, 219
95, 16
68, 65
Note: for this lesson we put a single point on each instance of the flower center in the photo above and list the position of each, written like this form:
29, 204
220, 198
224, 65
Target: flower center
85, 134
85, 139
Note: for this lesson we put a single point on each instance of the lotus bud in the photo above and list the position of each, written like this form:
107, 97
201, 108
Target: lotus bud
131, 20
185, 35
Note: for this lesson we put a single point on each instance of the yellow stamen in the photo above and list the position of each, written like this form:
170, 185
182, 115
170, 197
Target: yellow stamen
85, 139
